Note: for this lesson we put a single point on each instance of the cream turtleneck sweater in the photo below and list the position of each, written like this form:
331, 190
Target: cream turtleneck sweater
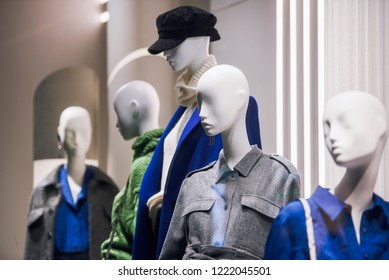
186, 90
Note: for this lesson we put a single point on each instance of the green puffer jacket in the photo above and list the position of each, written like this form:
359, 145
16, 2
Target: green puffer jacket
123, 221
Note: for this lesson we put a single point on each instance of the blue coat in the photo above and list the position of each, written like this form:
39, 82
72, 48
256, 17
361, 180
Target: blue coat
193, 152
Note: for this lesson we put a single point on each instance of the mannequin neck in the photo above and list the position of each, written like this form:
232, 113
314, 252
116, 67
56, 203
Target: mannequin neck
235, 143
357, 186
147, 126
356, 189
201, 56
75, 166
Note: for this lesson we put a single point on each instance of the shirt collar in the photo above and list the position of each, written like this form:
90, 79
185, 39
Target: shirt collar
329, 203
223, 169
244, 166
323, 198
247, 163
63, 180
384, 205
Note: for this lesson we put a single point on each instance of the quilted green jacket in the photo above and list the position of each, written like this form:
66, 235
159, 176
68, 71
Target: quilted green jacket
119, 245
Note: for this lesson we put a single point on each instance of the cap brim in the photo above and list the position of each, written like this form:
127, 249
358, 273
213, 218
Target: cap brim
163, 45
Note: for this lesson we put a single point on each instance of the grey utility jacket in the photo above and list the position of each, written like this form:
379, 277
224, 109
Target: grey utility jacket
43, 207
228, 215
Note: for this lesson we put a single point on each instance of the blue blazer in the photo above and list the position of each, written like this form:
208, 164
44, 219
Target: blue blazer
193, 152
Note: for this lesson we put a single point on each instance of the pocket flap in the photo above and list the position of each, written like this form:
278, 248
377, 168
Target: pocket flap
198, 205
261, 205
34, 215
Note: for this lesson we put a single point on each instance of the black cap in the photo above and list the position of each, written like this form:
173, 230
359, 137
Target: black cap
176, 25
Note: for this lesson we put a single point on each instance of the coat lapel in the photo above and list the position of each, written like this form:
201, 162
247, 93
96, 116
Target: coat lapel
193, 121
155, 165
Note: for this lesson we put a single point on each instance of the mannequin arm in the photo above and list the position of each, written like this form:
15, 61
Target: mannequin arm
122, 242
292, 188
287, 238
155, 204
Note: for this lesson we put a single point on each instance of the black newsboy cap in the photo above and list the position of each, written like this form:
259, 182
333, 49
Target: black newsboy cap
180, 23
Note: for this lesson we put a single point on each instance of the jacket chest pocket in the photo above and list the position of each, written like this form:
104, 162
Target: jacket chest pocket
197, 218
257, 215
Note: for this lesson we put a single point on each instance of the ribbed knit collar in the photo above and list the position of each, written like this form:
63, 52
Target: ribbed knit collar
146, 143
186, 84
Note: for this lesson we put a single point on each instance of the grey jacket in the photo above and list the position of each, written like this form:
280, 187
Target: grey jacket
43, 207
229, 215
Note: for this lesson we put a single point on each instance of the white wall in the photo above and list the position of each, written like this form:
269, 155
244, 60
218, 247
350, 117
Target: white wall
36, 39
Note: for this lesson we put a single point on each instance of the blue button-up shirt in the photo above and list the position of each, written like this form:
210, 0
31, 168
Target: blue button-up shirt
71, 226
333, 230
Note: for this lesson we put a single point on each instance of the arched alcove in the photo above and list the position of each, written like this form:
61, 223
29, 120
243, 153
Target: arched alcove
71, 86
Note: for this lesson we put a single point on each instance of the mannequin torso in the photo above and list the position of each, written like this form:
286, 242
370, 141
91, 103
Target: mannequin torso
137, 108
72, 200
208, 220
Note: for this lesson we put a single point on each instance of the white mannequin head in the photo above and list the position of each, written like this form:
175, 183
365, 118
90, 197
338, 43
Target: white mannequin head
222, 96
75, 131
355, 128
190, 54
137, 108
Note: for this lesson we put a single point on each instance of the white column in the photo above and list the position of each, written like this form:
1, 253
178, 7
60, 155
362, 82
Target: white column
297, 87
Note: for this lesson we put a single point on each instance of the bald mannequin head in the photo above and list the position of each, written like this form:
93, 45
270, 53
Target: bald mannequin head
355, 128
137, 108
75, 131
223, 96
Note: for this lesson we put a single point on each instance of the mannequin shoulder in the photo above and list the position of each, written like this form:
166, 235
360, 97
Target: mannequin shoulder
292, 213
284, 163
141, 162
197, 184
198, 172
103, 179
50, 180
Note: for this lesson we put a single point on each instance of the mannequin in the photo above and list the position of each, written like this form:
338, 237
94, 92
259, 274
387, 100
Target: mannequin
355, 132
190, 55
74, 133
237, 195
184, 37
358, 151
72, 200
137, 108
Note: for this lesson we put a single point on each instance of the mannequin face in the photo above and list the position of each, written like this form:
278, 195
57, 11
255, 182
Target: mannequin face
127, 114
75, 131
222, 97
213, 105
353, 129
187, 53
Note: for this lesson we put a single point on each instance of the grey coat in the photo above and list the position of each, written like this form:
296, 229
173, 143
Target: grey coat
230, 220
43, 208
